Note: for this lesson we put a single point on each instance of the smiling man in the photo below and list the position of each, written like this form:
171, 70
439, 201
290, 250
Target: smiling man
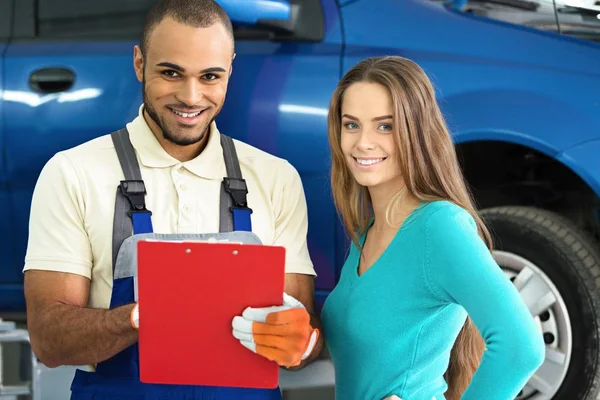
81, 298
183, 92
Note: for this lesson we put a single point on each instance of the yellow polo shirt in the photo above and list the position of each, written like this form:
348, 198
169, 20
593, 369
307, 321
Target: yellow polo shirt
71, 223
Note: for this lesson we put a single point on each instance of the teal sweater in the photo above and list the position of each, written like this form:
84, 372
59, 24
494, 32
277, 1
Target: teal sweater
390, 330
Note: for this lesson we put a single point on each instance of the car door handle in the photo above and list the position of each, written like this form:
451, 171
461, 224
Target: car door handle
51, 80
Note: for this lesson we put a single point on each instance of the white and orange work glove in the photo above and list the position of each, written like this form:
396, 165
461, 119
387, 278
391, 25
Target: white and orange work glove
281, 333
134, 316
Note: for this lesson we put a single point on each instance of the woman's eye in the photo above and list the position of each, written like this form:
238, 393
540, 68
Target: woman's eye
385, 127
350, 125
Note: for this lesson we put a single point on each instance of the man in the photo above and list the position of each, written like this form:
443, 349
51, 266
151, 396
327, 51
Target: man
79, 300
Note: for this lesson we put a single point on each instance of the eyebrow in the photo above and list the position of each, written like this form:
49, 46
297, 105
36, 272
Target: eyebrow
181, 69
171, 65
382, 118
213, 69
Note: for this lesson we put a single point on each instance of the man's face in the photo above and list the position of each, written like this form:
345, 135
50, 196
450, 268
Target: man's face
184, 73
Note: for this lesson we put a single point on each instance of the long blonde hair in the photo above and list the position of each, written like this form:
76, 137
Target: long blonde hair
428, 164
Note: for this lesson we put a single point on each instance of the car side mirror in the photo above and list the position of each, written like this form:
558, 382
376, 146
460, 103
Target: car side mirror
251, 12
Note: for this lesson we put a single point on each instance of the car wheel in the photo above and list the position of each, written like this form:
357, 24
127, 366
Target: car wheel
556, 268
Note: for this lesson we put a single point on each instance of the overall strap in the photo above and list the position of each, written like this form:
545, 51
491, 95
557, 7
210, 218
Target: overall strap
131, 214
235, 213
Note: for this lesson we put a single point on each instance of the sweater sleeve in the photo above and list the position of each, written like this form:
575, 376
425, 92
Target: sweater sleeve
461, 270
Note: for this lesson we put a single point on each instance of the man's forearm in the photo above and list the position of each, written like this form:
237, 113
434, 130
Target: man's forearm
70, 335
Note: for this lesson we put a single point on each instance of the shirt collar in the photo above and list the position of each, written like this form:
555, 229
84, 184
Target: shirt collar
209, 164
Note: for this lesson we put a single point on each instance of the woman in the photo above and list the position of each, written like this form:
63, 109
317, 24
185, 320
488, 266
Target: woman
397, 323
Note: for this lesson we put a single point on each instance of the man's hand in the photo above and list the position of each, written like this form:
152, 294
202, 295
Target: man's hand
281, 333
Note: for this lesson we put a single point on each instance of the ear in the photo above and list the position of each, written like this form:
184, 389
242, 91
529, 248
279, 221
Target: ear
138, 63
231, 69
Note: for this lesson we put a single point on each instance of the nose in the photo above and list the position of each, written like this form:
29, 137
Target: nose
190, 92
365, 140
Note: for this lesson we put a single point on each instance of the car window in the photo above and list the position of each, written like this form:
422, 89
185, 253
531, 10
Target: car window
579, 18
91, 19
537, 14
5, 18
124, 19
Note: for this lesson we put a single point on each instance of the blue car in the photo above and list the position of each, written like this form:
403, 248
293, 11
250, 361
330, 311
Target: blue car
517, 80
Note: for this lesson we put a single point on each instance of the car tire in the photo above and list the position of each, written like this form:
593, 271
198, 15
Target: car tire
563, 264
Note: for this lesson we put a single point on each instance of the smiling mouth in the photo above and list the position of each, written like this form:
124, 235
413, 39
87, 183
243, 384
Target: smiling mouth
366, 162
189, 115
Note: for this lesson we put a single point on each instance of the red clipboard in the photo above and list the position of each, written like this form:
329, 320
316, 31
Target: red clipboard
188, 294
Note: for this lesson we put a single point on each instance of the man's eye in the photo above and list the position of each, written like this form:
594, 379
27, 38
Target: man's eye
210, 77
170, 73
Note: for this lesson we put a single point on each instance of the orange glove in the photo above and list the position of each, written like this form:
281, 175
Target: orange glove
282, 333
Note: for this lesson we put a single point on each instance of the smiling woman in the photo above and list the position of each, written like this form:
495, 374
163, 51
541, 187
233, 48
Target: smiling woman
399, 321
367, 140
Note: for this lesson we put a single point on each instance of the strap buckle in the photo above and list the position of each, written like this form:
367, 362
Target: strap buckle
135, 191
238, 190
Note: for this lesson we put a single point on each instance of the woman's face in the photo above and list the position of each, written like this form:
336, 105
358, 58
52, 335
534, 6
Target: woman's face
366, 139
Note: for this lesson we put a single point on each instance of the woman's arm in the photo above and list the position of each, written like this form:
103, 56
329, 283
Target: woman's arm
460, 269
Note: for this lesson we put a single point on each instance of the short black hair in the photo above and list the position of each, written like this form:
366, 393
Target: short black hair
196, 13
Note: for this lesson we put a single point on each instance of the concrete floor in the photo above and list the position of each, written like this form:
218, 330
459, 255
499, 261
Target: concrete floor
310, 394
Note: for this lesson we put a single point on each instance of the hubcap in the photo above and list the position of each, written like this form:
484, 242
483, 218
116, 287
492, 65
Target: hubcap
552, 317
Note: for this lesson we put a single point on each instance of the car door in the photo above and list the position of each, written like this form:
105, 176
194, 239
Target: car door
6, 290
71, 80
283, 78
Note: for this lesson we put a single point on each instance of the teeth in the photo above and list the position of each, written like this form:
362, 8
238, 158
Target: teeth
368, 162
186, 115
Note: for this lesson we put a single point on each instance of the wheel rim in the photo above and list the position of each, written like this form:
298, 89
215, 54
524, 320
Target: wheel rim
552, 317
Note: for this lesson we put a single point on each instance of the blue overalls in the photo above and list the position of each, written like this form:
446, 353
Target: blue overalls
118, 377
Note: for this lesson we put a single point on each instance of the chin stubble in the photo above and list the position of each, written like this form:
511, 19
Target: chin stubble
168, 134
